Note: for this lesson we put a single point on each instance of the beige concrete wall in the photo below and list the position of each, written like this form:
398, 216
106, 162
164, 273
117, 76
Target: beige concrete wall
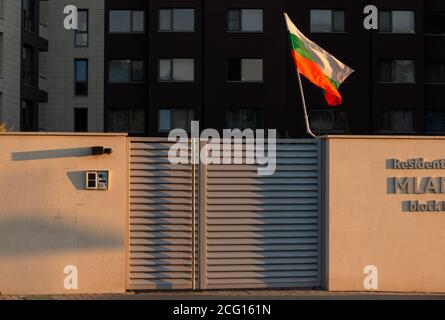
367, 225
48, 220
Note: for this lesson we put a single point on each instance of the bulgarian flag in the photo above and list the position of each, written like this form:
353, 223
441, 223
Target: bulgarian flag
317, 65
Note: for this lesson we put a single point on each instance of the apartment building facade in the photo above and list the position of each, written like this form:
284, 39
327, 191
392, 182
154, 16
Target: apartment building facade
73, 68
227, 64
22, 38
145, 67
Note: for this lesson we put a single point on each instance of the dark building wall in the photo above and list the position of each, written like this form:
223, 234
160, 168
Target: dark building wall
126, 46
175, 45
211, 45
434, 50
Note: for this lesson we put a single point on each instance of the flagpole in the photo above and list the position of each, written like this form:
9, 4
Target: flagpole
306, 117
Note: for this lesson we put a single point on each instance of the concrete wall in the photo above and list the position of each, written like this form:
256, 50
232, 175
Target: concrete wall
368, 226
57, 65
10, 52
49, 221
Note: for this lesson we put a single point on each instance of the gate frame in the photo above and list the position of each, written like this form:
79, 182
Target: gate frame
200, 208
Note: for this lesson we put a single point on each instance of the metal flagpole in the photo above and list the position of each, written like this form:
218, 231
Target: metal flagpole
306, 117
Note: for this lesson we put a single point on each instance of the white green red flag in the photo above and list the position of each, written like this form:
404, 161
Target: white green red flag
317, 65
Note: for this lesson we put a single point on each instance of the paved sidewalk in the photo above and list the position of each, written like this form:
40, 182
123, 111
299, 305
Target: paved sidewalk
238, 295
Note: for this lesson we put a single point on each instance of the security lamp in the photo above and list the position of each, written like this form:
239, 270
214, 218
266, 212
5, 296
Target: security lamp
98, 151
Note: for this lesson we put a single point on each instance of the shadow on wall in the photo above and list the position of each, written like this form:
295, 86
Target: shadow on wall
77, 179
30, 235
51, 154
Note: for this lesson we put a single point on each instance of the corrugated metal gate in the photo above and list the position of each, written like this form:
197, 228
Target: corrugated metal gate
161, 213
250, 231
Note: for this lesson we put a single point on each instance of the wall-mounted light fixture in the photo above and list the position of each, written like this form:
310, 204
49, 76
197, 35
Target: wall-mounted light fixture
99, 151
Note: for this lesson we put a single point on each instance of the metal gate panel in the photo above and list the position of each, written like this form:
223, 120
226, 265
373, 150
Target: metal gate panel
264, 231
161, 215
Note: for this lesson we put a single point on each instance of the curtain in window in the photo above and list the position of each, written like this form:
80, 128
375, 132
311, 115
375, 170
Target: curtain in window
403, 71
435, 122
398, 121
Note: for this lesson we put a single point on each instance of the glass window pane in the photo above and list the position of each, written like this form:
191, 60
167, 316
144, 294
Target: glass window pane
435, 72
339, 21
81, 70
180, 119
165, 70
184, 20
252, 70
165, 20
138, 71
82, 20
403, 22
234, 70
322, 120
435, 121
435, 23
120, 21
385, 21
81, 120
164, 120
137, 120
247, 119
138, 21
191, 117
398, 121
234, 20
321, 21
81, 39
252, 20
117, 121
403, 71
233, 119
120, 71
385, 71
183, 70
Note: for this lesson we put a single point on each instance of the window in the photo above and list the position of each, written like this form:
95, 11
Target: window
81, 34
126, 71
246, 70
329, 121
435, 23
170, 119
27, 65
81, 120
245, 20
81, 77
126, 120
177, 70
434, 121
397, 121
126, 21
177, 20
327, 21
245, 119
435, 72
28, 15
397, 71
396, 21
27, 116
1, 54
